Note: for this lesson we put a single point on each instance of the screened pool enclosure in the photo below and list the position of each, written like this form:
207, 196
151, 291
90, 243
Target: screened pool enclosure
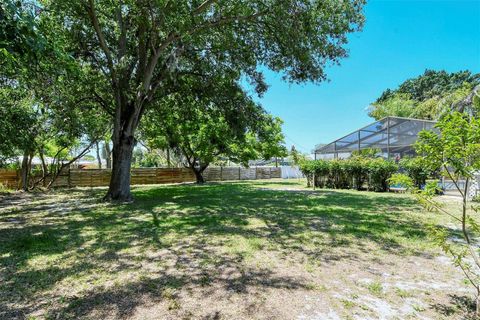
394, 137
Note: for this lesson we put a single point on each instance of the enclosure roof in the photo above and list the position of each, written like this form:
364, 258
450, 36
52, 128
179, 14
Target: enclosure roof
393, 133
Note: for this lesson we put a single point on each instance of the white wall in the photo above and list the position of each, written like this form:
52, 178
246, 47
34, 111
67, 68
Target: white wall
291, 172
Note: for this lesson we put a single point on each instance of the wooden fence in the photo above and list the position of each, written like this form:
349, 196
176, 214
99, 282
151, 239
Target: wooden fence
9, 178
101, 177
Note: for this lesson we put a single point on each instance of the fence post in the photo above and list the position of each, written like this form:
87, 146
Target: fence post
221, 173
18, 179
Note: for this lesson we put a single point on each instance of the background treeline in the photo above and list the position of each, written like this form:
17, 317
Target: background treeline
362, 172
428, 96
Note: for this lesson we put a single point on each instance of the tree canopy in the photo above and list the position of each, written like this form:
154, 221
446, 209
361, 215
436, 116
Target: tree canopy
139, 50
427, 96
47, 106
210, 122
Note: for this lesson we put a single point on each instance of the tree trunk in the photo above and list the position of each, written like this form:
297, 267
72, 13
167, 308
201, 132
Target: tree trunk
198, 176
119, 189
44, 167
24, 171
99, 159
198, 171
477, 304
168, 157
108, 153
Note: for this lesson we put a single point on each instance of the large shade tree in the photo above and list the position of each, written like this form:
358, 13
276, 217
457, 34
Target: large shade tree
139, 47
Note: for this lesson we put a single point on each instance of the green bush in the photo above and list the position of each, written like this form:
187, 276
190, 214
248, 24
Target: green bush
350, 173
379, 171
306, 167
319, 169
337, 177
416, 169
357, 172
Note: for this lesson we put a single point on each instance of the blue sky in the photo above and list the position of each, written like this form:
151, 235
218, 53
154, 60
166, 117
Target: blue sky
400, 40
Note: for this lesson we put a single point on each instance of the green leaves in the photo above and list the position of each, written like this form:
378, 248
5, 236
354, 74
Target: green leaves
457, 150
456, 147
17, 121
418, 169
350, 173
401, 180
20, 41
425, 97
400, 105
148, 46
271, 140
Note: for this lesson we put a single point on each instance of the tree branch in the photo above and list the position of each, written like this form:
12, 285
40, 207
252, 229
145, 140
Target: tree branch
122, 39
225, 20
203, 6
67, 164
104, 104
101, 38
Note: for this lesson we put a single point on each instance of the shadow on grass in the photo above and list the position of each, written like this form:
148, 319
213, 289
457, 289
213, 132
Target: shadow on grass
91, 237
458, 305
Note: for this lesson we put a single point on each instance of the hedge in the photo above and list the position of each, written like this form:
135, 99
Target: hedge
360, 172
352, 173
416, 170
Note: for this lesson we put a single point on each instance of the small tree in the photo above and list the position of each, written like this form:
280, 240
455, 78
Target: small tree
457, 151
271, 139
212, 120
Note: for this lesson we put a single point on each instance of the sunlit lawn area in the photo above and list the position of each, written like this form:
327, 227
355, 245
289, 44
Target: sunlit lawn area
245, 250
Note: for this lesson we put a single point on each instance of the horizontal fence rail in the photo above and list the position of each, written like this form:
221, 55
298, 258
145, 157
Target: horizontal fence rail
9, 178
139, 176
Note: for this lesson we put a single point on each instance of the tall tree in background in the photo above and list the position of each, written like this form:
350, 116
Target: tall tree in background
20, 45
428, 96
140, 47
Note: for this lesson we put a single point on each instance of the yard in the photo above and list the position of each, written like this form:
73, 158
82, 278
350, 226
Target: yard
244, 250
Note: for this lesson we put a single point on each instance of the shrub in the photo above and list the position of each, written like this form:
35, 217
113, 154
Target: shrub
379, 171
417, 170
306, 167
357, 172
349, 173
337, 176
320, 169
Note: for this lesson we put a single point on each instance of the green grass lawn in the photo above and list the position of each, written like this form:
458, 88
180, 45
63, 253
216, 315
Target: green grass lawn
243, 250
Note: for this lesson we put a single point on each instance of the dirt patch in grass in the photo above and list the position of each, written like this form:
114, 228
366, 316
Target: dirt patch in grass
249, 250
